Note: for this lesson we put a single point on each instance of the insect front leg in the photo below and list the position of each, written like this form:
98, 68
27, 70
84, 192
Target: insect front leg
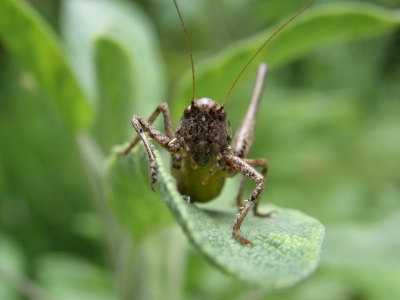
245, 169
163, 107
144, 127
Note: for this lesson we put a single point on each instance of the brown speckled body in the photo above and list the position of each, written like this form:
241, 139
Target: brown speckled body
206, 131
202, 154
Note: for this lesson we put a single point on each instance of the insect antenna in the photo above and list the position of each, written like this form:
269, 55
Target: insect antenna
262, 47
189, 49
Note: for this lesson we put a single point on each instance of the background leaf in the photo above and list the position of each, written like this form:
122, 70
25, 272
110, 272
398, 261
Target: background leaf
115, 96
118, 61
79, 279
31, 39
127, 190
13, 264
316, 27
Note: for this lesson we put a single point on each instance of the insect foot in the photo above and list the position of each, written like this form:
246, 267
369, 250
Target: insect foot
242, 215
236, 226
242, 167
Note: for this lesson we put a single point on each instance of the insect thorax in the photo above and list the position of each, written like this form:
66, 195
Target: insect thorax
205, 130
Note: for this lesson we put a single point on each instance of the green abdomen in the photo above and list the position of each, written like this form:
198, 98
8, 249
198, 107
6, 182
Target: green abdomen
189, 183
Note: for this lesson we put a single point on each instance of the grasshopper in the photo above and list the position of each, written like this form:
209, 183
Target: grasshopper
202, 150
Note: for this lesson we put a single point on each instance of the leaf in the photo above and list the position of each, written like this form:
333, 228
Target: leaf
115, 93
29, 38
318, 26
127, 189
374, 246
12, 266
126, 28
286, 246
66, 276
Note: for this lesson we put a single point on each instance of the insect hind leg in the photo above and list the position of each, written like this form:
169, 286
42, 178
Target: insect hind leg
244, 136
241, 166
254, 163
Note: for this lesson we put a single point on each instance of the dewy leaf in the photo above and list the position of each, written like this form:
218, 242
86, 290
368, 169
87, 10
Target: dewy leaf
28, 37
286, 247
318, 26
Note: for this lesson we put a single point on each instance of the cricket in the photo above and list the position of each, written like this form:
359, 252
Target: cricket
203, 151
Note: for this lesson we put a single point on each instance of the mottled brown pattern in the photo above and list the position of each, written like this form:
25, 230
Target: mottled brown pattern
205, 130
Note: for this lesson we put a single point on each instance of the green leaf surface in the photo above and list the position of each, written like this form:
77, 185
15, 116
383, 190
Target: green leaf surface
29, 38
286, 247
127, 189
319, 26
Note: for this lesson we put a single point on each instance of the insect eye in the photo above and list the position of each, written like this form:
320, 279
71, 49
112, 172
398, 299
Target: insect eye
186, 113
222, 116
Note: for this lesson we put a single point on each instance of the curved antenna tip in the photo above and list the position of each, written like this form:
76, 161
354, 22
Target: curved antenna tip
263, 46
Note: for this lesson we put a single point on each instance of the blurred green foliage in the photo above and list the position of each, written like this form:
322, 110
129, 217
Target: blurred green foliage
72, 75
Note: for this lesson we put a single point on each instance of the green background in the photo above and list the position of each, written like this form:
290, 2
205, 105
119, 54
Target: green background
328, 124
